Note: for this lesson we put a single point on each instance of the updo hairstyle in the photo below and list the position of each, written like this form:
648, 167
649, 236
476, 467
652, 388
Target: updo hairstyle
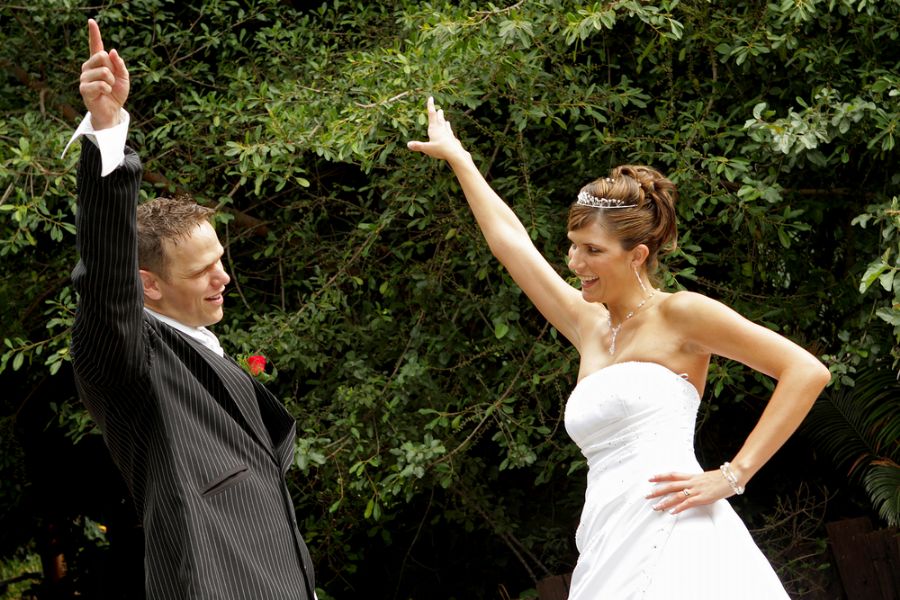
651, 221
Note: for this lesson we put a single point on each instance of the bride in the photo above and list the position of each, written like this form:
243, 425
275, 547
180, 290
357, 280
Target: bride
654, 523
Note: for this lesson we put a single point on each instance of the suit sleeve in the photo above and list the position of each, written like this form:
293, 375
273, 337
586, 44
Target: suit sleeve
107, 337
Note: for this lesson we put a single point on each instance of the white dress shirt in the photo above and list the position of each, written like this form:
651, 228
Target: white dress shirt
110, 141
201, 334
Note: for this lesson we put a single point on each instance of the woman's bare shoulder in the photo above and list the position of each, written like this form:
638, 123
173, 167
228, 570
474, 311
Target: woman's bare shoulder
683, 304
691, 316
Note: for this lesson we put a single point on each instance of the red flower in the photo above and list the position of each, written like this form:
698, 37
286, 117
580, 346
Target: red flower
257, 364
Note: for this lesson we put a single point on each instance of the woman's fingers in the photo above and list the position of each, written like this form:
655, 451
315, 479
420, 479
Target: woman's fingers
669, 483
670, 490
672, 476
442, 142
418, 146
676, 500
677, 492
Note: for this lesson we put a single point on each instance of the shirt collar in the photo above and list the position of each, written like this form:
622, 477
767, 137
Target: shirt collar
201, 334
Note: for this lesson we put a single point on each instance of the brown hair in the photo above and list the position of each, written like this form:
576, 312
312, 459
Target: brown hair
651, 221
161, 219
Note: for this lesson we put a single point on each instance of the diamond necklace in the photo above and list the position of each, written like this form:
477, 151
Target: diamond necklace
614, 331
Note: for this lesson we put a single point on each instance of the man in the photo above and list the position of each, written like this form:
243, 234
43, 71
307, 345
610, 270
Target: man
202, 446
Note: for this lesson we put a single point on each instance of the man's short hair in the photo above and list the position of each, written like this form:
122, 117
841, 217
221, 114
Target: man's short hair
166, 218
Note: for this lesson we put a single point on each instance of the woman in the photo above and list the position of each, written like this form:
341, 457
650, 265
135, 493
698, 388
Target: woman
654, 525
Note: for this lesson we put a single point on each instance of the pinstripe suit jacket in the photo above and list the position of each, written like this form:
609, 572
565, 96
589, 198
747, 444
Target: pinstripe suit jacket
202, 446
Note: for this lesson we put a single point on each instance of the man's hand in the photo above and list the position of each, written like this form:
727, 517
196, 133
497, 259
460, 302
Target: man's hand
104, 81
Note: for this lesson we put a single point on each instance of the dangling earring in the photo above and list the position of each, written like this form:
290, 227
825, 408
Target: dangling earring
640, 281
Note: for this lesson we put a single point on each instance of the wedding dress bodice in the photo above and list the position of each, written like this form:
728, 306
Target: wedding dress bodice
633, 420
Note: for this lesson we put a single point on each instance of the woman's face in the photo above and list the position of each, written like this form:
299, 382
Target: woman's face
597, 258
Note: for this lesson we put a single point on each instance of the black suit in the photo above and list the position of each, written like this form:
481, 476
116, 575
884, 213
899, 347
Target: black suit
202, 446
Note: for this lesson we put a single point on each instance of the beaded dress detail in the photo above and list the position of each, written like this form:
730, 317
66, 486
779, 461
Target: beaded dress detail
633, 420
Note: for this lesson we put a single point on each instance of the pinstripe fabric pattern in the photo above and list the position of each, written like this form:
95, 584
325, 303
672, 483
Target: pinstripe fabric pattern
202, 446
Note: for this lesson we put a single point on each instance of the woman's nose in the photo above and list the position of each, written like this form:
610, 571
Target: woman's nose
573, 259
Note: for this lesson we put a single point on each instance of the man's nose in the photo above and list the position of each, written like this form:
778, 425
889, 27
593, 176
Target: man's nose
222, 275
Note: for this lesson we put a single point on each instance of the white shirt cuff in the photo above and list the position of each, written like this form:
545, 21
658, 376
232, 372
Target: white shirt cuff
110, 141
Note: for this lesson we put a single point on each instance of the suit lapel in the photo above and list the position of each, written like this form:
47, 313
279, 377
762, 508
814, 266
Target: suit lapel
279, 423
241, 389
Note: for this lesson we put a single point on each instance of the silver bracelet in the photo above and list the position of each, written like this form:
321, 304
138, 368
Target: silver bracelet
730, 477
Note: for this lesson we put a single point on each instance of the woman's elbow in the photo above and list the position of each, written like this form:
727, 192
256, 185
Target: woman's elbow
820, 373
817, 375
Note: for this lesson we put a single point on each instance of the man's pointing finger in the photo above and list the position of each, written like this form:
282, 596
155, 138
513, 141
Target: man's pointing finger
96, 42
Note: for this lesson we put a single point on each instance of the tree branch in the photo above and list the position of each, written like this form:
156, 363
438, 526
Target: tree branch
241, 219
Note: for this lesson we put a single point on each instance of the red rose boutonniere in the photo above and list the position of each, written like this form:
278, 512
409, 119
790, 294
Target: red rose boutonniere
257, 364
258, 367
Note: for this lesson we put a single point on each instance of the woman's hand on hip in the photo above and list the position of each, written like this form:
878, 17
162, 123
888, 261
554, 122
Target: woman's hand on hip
678, 492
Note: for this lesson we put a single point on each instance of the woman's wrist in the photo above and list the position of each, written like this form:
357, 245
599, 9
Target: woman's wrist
461, 159
733, 477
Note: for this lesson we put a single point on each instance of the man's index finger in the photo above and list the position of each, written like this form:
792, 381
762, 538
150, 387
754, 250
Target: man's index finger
96, 42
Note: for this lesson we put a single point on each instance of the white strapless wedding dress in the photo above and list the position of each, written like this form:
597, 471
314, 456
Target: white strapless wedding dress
633, 420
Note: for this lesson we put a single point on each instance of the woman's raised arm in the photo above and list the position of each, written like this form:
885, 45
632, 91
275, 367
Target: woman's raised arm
508, 239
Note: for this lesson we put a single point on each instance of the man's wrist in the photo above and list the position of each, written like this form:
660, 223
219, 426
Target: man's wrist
99, 124
109, 140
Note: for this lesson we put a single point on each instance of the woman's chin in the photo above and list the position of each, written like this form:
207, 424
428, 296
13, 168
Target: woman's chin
590, 295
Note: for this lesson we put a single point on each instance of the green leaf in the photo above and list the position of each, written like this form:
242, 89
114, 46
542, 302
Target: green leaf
891, 315
882, 483
873, 272
784, 238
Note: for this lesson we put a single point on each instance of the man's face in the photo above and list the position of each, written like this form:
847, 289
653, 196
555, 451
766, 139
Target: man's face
191, 292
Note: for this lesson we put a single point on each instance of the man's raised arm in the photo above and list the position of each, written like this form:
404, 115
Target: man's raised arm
104, 89
107, 345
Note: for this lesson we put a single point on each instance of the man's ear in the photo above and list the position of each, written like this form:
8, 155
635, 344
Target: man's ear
150, 282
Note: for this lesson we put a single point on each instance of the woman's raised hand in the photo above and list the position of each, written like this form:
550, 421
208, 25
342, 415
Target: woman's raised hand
441, 141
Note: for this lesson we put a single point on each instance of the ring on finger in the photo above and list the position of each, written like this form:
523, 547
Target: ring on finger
686, 493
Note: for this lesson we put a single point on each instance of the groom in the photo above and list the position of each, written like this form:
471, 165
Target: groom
203, 447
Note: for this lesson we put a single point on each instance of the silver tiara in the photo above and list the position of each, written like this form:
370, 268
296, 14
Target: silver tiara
588, 199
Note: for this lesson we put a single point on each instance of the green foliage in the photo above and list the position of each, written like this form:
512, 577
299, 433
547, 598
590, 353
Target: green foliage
859, 428
426, 387
885, 268
21, 572
883, 486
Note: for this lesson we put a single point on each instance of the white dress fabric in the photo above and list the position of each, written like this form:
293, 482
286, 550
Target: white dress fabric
633, 420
